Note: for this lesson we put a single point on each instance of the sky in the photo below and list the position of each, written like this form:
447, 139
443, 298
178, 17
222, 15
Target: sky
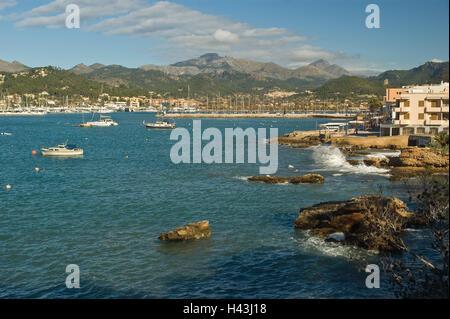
291, 33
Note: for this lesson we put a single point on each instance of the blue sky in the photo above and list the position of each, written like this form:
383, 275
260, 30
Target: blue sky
289, 32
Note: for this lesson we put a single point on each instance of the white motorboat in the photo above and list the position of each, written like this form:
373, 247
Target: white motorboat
161, 125
104, 121
62, 150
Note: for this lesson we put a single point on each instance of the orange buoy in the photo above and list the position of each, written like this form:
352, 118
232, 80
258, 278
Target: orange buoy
8, 186
34, 152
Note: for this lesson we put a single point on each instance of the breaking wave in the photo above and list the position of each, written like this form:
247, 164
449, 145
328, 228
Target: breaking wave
331, 158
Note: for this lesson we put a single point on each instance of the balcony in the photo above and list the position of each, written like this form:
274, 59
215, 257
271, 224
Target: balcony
436, 122
401, 122
431, 109
401, 109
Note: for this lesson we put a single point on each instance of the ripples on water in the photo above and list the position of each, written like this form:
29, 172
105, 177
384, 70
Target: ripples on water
104, 212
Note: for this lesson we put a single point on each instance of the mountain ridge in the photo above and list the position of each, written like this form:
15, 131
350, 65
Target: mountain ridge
12, 67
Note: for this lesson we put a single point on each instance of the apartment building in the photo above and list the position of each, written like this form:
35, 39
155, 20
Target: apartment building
420, 110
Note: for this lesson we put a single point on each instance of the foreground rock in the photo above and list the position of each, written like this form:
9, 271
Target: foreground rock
305, 179
197, 230
369, 221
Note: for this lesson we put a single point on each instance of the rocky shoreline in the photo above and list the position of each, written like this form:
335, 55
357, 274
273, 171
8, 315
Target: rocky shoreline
370, 221
411, 162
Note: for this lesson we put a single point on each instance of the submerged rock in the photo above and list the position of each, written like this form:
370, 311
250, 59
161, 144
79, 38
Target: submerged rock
369, 221
190, 231
305, 179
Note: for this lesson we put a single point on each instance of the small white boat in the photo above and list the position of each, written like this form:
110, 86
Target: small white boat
6, 134
104, 121
161, 125
62, 150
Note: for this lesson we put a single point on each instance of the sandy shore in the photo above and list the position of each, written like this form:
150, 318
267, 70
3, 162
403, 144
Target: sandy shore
259, 115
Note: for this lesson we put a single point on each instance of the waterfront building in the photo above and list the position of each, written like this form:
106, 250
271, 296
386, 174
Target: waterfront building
420, 109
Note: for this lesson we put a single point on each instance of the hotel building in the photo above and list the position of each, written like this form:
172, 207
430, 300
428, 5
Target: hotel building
419, 110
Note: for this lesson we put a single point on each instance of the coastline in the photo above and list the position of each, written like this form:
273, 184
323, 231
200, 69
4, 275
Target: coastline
259, 115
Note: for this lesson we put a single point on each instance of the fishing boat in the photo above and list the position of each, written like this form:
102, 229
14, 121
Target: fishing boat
161, 125
62, 150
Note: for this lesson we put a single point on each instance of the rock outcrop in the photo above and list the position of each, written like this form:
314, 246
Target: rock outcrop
305, 179
419, 157
379, 162
301, 139
369, 221
197, 230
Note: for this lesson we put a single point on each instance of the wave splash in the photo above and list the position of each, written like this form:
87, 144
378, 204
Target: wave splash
331, 158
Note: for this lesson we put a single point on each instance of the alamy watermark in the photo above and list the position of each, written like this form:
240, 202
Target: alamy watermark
212, 152
373, 19
72, 16
373, 280
73, 279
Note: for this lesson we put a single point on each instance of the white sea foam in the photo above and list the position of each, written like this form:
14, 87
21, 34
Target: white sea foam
331, 158
384, 154
242, 178
316, 245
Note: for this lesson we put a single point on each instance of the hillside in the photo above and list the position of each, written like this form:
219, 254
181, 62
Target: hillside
347, 86
430, 72
60, 82
350, 85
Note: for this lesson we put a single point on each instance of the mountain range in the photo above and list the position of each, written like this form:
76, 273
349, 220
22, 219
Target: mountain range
213, 75
212, 64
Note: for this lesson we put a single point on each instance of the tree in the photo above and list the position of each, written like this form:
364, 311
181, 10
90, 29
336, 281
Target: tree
418, 277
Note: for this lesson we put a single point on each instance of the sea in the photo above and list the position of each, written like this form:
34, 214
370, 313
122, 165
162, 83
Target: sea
105, 210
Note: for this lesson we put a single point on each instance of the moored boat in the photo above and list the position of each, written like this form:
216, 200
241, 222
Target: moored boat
104, 121
62, 150
161, 125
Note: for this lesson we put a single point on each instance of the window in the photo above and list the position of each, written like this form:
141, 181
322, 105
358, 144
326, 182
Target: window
420, 130
433, 103
421, 116
434, 117
406, 116
421, 103
406, 103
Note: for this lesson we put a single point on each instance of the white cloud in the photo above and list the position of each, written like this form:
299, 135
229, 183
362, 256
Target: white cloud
52, 15
7, 3
437, 60
182, 31
225, 36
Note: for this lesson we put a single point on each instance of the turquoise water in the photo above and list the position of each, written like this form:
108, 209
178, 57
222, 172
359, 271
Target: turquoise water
104, 212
